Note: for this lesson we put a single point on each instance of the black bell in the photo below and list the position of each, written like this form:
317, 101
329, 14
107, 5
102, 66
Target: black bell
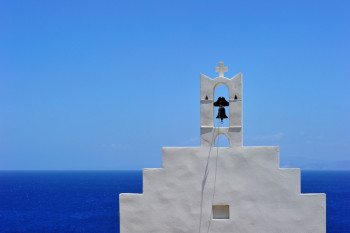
222, 101
221, 113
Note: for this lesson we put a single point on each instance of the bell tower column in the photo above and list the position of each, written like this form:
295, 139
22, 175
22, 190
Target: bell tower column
208, 131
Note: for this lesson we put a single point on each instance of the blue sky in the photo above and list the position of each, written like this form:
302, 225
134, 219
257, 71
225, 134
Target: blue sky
106, 84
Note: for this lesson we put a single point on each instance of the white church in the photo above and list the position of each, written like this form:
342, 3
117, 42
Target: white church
234, 189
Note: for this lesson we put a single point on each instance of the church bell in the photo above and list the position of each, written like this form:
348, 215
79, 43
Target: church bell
221, 102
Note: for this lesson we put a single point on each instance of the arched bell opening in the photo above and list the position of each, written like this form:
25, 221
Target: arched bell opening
221, 105
222, 140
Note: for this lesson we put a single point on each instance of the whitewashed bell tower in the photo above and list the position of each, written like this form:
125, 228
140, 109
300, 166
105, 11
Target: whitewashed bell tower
234, 85
221, 189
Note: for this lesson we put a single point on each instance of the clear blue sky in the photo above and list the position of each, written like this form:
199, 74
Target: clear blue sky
106, 84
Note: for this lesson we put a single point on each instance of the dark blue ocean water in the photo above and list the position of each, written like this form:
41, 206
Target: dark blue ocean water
87, 201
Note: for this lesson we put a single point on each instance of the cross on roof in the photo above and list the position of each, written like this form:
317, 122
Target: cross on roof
221, 69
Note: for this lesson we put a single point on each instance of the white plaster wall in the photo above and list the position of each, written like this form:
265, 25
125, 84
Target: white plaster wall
207, 107
262, 197
235, 113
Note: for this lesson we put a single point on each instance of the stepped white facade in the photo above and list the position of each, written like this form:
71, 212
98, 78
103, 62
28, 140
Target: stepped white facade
222, 189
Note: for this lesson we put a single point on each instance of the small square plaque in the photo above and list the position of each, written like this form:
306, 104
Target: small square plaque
221, 212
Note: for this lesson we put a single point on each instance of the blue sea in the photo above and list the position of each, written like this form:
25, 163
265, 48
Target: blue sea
87, 201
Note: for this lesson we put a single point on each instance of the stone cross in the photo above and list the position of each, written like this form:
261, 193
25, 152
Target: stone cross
221, 69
